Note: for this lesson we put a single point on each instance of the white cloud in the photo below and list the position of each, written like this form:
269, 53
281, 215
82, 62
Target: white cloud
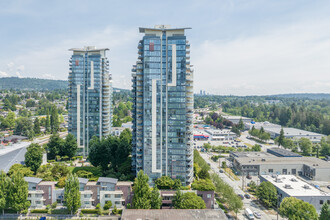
48, 76
3, 74
282, 60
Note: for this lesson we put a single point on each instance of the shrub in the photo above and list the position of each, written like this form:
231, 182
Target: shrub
96, 171
107, 205
60, 211
39, 211
89, 211
54, 205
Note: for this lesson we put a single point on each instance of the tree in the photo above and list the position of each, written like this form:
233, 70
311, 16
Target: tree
47, 123
253, 186
141, 198
164, 182
235, 204
36, 127
325, 212
305, 146
266, 192
33, 157
294, 208
107, 205
54, 146
155, 199
69, 146
281, 138
18, 193
240, 125
256, 147
54, 122
325, 146
25, 171
11, 117
4, 190
71, 193
203, 185
23, 126
188, 200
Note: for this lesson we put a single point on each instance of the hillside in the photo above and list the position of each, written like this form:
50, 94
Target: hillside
32, 83
304, 95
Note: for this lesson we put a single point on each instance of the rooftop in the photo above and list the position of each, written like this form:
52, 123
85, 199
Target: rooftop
234, 117
282, 152
259, 160
32, 179
88, 49
293, 186
83, 180
251, 154
47, 183
291, 131
124, 183
161, 28
165, 214
107, 180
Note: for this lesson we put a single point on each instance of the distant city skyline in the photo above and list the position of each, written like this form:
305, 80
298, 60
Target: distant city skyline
238, 47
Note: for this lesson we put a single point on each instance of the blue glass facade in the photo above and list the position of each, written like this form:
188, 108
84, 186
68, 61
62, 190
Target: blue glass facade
89, 96
163, 102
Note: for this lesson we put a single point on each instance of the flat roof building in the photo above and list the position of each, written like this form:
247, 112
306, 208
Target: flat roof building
280, 152
259, 163
291, 186
235, 119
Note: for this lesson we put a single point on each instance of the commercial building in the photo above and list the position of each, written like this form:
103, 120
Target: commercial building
291, 186
163, 105
90, 89
221, 135
274, 130
260, 163
280, 152
235, 119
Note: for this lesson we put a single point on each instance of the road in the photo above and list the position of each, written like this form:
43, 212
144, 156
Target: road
244, 139
13, 154
248, 203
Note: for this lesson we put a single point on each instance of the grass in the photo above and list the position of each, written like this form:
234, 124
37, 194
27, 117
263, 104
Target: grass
231, 174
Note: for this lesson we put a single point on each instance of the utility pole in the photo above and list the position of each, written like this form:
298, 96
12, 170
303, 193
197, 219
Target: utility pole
243, 180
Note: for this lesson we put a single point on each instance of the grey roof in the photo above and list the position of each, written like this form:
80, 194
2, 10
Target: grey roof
282, 152
164, 28
83, 180
165, 214
32, 179
107, 180
88, 48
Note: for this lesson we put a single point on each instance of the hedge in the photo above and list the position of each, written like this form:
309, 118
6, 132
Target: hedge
89, 211
60, 211
39, 211
96, 171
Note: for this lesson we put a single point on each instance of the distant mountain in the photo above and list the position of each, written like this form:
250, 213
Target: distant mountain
38, 84
304, 95
32, 83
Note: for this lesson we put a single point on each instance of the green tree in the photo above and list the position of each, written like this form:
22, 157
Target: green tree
54, 146
203, 185
294, 208
188, 200
11, 117
69, 146
240, 125
305, 146
23, 126
281, 138
256, 147
47, 123
325, 212
253, 186
107, 205
325, 146
18, 193
25, 171
266, 192
33, 157
36, 127
71, 193
141, 198
235, 204
4, 190
54, 122
155, 199
164, 182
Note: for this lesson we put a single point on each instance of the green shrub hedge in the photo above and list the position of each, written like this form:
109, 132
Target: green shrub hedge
89, 211
96, 171
39, 211
60, 211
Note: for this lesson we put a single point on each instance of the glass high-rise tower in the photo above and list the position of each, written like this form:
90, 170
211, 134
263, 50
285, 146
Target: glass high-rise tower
90, 89
163, 105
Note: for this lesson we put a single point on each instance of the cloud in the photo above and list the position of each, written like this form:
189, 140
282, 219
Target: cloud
283, 59
3, 74
48, 76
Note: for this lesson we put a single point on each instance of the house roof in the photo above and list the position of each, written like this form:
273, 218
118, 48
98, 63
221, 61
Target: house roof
107, 180
83, 180
32, 179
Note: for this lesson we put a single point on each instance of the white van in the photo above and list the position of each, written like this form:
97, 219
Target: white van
249, 214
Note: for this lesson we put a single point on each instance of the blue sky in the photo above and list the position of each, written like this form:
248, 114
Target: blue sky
237, 47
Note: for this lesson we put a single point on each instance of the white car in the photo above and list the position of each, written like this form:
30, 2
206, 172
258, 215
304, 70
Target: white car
257, 214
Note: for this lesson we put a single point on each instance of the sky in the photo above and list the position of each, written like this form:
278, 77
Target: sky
243, 47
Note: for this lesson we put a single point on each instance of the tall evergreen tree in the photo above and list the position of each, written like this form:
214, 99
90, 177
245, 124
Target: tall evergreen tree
47, 124
281, 138
4, 190
54, 122
325, 212
141, 198
18, 193
155, 199
36, 127
33, 157
71, 193
69, 146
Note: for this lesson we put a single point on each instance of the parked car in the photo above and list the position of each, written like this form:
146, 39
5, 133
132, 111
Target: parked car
249, 177
240, 195
247, 196
257, 214
328, 186
249, 214
221, 171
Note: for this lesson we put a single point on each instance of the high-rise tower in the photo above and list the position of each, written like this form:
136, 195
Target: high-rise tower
90, 89
163, 105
